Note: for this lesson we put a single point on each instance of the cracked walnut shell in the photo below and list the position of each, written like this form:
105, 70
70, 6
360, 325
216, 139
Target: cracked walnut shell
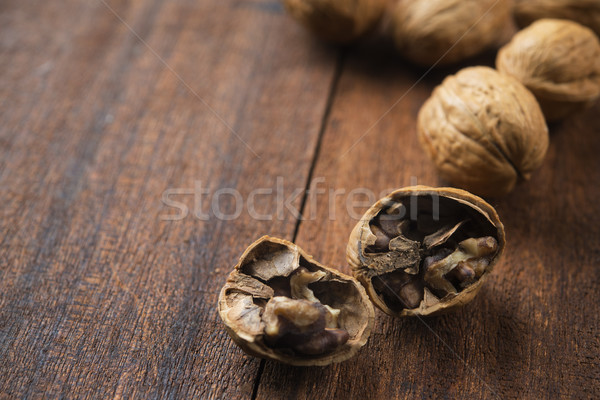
585, 12
423, 250
558, 61
483, 130
432, 32
279, 303
339, 21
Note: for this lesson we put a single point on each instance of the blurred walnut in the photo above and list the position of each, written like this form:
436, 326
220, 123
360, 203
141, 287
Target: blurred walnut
446, 31
558, 61
339, 21
279, 303
423, 250
586, 12
483, 130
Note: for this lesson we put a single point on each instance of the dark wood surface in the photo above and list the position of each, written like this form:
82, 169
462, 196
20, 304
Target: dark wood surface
109, 108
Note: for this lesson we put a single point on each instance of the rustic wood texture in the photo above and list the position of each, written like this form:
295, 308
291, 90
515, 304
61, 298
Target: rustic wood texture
99, 295
107, 105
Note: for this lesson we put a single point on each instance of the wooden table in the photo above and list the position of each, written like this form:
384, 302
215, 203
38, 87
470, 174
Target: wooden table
119, 116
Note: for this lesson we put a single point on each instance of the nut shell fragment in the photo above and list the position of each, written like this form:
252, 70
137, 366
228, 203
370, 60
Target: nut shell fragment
451, 241
558, 61
484, 131
279, 303
339, 21
442, 32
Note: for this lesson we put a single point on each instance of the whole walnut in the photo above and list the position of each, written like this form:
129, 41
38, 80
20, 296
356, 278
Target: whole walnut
423, 250
279, 303
483, 130
586, 12
339, 21
440, 32
558, 61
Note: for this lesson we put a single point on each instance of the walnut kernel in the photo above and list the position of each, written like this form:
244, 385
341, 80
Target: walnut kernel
424, 251
278, 303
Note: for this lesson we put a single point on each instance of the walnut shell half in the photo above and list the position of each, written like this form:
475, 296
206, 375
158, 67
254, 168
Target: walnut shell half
447, 31
279, 303
586, 12
423, 250
483, 130
558, 61
338, 21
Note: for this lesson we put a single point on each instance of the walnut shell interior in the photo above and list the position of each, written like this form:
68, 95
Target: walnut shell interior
442, 32
279, 303
558, 61
422, 250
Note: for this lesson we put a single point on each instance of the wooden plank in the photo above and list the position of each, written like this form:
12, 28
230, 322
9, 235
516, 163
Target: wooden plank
532, 331
100, 296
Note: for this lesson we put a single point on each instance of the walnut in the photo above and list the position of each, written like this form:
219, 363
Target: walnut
558, 61
279, 303
586, 12
483, 130
339, 21
447, 31
424, 251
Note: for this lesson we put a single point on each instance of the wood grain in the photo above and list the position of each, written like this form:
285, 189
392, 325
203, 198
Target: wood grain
99, 295
107, 105
532, 331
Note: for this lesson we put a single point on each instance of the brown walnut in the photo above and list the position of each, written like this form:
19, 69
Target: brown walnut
424, 251
339, 21
483, 130
585, 12
558, 61
279, 303
447, 31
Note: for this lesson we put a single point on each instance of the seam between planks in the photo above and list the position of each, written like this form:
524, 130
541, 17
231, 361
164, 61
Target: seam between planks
328, 106
333, 88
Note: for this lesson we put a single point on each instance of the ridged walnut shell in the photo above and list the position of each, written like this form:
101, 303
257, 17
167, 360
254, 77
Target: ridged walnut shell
483, 130
425, 251
585, 12
447, 31
558, 61
279, 303
339, 21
